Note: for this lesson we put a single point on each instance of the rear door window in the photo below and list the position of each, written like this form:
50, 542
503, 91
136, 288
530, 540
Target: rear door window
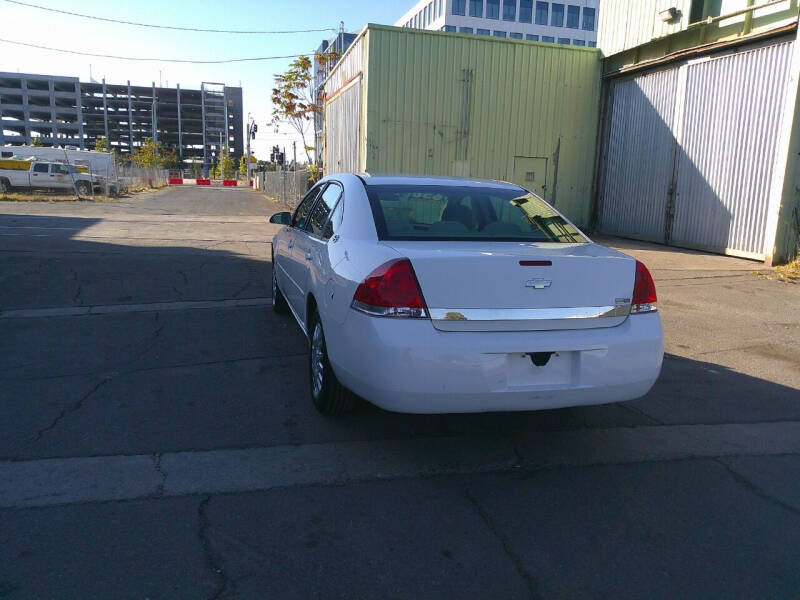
466, 213
40, 168
300, 218
323, 209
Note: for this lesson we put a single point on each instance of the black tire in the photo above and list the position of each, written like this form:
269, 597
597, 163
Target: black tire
4, 187
83, 189
328, 395
279, 304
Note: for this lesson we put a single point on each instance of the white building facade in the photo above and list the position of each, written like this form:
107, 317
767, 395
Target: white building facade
572, 22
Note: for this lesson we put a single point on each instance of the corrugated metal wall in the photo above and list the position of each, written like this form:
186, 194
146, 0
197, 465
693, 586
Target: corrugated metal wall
450, 104
625, 24
344, 91
633, 197
688, 152
342, 126
729, 139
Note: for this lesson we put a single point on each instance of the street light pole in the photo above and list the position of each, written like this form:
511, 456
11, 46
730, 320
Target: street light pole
252, 128
247, 170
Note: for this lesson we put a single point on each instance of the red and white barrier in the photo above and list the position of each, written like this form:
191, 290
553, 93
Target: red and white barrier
209, 182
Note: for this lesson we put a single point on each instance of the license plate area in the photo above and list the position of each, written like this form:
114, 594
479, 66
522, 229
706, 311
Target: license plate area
559, 370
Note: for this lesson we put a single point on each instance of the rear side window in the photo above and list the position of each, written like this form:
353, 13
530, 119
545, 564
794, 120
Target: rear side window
335, 221
468, 213
300, 217
40, 168
322, 210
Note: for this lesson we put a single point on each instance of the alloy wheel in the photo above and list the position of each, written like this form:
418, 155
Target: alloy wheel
317, 360
274, 285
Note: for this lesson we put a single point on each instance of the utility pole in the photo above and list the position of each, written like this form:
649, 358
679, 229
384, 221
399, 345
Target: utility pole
294, 152
252, 128
247, 170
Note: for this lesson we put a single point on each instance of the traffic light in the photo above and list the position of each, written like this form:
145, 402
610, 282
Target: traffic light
276, 156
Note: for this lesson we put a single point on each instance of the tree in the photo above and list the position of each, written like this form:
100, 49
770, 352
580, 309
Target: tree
226, 165
101, 144
152, 154
293, 99
169, 158
243, 166
147, 155
36, 142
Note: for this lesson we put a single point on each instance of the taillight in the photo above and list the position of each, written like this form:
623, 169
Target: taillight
391, 290
644, 291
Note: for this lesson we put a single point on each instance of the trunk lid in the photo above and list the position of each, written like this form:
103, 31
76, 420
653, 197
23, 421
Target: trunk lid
518, 286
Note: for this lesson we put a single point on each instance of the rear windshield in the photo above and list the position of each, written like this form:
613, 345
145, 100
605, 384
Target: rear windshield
486, 213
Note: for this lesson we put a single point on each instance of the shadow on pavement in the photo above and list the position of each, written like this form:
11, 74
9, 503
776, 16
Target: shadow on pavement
146, 382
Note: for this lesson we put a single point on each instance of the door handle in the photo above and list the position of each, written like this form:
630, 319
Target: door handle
308, 256
290, 244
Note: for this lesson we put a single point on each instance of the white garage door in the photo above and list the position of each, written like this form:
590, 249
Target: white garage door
688, 152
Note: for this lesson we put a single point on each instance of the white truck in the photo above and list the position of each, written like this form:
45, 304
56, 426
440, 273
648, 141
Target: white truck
100, 164
45, 175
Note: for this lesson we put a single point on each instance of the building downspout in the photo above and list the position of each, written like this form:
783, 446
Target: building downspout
599, 162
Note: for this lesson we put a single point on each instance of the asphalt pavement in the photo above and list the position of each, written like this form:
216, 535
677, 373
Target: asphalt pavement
157, 439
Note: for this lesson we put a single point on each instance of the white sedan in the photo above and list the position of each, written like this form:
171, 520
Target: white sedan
440, 295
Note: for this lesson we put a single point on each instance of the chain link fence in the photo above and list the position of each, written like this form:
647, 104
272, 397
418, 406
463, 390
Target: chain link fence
288, 187
132, 177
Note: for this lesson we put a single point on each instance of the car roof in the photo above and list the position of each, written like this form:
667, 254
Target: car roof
370, 179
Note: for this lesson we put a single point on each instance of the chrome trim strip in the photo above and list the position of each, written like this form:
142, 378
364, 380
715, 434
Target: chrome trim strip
529, 314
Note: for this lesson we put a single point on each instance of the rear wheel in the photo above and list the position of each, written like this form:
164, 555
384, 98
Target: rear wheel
278, 301
329, 396
4, 187
83, 188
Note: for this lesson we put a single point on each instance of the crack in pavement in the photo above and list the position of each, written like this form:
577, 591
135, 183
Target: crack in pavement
755, 489
506, 543
71, 409
76, 298
203, 525
117, 373
159, 469
638, 411
247, 283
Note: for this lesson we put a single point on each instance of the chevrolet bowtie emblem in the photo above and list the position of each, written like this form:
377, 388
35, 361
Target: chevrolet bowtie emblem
538, 284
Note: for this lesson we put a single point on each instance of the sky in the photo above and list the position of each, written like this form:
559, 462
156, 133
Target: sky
39, 27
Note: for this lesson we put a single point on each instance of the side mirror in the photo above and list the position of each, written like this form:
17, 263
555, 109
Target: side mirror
281, 218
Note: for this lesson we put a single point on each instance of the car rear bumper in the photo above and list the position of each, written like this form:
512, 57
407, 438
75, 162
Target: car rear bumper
408, 366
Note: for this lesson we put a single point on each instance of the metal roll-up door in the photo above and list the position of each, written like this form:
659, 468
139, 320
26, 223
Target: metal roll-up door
731, 120
638, 156
689, 152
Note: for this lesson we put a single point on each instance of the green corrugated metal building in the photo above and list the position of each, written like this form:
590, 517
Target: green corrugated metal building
414, 101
